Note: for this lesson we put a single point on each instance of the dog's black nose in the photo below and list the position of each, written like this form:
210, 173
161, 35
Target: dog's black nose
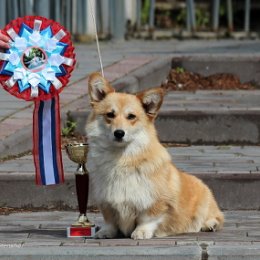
119, 134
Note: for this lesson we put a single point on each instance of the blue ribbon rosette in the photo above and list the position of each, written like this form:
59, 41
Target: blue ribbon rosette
37, 67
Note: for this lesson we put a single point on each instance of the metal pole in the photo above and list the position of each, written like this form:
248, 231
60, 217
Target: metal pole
3, 18
117, 18
215, 15
247, 16
25, 7
14, 9
188, 22
57, 11
84, 16
79, 17
74, 16
68, 15
191, 13
138, 14
151, 16
230, 15
42, 8
99, 16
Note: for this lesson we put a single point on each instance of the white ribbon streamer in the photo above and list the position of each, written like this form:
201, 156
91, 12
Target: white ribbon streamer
37, 25
59, 35
10, 82
56, 60
34, 91
49, 74
4, 56
34, 79
12, 33
68, 61
56, 83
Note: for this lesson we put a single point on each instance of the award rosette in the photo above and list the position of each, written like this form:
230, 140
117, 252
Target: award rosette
36, 68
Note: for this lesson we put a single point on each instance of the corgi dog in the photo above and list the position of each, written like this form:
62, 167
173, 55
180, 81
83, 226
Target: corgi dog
140, 193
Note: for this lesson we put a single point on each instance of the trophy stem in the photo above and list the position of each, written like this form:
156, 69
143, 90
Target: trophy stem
82, 186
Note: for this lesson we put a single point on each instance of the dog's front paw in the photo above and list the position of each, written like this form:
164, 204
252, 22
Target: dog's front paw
106, 232
141, 234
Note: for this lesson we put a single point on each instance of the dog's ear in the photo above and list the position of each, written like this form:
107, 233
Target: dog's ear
151, 100
98, 87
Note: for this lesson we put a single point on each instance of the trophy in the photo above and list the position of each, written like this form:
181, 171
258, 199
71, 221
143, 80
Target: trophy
82, 227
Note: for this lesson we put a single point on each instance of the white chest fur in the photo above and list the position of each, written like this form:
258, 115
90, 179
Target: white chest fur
116, 184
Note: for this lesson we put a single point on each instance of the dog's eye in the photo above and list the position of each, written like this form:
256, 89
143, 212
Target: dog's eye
110, 115
131, 116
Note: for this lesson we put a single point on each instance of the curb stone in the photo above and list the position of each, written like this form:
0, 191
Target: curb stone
238, 252
103, 253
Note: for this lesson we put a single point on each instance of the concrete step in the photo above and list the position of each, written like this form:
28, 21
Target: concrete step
210, 117
203, 117
232, 172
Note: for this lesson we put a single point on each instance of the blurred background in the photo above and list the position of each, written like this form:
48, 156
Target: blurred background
153, 19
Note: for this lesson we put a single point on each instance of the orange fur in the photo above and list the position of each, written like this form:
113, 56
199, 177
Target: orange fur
138, 189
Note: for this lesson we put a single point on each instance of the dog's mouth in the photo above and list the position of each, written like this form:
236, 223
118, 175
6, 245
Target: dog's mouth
119, 140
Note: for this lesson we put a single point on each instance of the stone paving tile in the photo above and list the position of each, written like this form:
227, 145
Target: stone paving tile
80, 242
13, 236
237, 252
55, 226
52, 234
255, 234
233, 243
161, 242
118, 242
187, 242
47, 243
16, 227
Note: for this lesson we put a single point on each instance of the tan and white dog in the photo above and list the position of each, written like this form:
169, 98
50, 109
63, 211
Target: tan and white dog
137, 188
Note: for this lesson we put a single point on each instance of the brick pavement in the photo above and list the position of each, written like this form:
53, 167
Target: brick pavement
24, 234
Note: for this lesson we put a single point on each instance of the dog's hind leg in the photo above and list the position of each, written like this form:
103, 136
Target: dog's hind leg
213, 224
210, 225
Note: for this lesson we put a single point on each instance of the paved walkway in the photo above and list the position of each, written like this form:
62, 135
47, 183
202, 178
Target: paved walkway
42, 235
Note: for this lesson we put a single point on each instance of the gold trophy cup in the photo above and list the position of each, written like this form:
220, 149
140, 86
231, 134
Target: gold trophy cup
82, 227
